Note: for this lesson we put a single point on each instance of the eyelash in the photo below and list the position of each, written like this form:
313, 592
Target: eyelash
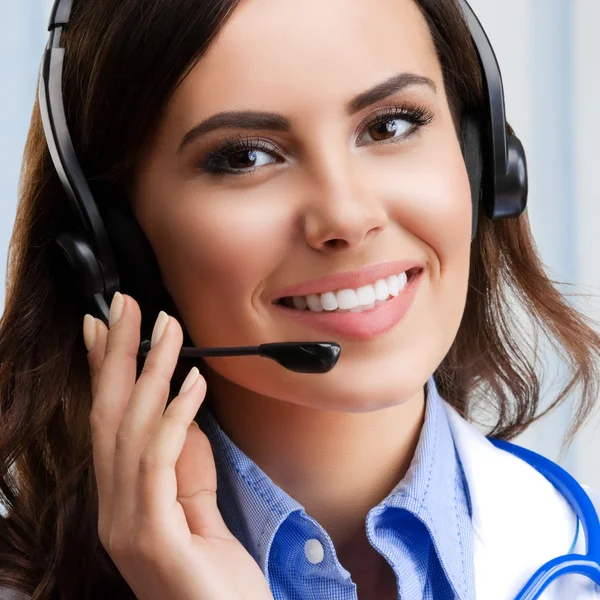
419, 116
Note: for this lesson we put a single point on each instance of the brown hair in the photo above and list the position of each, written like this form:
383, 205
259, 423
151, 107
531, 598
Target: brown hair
119, 51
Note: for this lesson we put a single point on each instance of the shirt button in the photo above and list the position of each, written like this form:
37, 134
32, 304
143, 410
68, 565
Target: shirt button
313, 550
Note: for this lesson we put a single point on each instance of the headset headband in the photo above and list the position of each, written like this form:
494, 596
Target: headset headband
509, 180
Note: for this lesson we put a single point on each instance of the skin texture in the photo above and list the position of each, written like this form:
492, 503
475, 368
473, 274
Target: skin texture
326, 199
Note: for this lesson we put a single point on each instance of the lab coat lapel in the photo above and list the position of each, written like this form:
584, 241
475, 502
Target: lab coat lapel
519, 520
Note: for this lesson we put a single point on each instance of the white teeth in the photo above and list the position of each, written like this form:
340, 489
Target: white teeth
366, 294
396, 283
314, 303
347, 299
381, 289
403, 279
329, 301
362, 307
363, 298
393, 285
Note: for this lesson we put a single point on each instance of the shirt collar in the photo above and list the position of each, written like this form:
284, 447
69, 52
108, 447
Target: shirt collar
434, 490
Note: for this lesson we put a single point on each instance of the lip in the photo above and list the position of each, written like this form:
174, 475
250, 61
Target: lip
361, 326
348, 279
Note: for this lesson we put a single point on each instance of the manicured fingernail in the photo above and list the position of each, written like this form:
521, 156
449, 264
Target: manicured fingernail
159, 327
190, 380
116, 309
90, 334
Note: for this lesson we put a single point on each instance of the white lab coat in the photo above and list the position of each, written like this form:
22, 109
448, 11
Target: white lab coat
520, 521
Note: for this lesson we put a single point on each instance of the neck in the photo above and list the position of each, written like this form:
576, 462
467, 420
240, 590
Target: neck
336, 465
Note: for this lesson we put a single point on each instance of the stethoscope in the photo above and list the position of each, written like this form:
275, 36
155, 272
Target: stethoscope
583, 564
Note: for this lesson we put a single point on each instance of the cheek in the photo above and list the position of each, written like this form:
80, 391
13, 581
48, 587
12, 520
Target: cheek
436, 186
214, 255
430, 201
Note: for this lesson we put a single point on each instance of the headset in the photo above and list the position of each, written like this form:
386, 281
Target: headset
110, 253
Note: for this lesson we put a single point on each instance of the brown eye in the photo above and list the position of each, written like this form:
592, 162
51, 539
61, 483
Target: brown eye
239, 156
387, 129
243, 159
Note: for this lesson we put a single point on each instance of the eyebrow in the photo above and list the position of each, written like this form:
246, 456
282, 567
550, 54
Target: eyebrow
249, 119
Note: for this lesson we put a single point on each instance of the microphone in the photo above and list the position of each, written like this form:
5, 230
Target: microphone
300, 357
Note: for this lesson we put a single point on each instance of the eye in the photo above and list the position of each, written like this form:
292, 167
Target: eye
387, 129
244, 159
239, 155
394, 123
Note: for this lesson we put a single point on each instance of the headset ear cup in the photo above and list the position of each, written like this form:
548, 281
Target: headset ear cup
512, 188
471, 144
74, 258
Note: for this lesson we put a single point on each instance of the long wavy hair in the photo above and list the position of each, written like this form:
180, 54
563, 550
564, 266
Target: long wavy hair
124, 60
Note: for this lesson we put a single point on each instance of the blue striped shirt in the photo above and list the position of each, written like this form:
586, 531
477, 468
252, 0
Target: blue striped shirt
423, 527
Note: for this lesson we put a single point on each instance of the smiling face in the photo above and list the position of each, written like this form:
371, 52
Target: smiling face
336, 173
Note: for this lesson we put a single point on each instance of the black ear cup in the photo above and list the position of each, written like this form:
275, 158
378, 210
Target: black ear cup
504, 195
511, 188
471, 144
75, 259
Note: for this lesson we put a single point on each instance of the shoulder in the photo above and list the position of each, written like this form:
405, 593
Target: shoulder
512, 501
12, 594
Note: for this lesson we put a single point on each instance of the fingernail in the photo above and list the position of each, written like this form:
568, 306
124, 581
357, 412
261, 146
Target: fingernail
116, 309
190, 380
159, 327
90, 334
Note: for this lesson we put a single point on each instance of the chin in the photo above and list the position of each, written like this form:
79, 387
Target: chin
362, 381
355, 396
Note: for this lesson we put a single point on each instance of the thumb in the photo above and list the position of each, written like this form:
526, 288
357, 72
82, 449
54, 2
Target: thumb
197, 486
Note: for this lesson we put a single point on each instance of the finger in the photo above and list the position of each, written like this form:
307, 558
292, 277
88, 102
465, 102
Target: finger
177, 465
143, 414
114, 383
197, 486
96, 332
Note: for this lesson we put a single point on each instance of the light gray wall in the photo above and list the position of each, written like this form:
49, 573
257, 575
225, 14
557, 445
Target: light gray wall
22, 39
548, 52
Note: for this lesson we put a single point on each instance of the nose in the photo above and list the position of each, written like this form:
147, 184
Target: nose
342, 212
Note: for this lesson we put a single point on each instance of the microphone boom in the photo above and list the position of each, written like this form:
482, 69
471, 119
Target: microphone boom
300, 357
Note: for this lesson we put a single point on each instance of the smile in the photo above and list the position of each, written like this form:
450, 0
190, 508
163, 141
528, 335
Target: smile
361, 313
353, 300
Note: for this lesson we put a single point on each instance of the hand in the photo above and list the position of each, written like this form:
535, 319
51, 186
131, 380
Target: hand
158, 515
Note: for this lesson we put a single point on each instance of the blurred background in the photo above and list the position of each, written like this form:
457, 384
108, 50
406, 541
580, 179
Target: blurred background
548, 51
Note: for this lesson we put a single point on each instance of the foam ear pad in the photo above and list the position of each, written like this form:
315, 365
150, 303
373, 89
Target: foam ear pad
471, 145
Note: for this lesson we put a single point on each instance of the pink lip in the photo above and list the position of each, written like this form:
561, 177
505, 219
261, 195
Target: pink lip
348, 279
359, 326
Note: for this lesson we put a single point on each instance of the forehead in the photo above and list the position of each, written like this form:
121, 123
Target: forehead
285, 55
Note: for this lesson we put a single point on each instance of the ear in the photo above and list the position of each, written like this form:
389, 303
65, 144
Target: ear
471, 146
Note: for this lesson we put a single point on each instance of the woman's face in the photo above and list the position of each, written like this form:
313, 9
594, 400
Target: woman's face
334, 180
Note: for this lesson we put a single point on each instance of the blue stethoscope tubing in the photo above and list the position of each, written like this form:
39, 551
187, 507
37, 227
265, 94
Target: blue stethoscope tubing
583, 564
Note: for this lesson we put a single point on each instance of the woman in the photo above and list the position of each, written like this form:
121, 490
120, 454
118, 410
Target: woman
363, 482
